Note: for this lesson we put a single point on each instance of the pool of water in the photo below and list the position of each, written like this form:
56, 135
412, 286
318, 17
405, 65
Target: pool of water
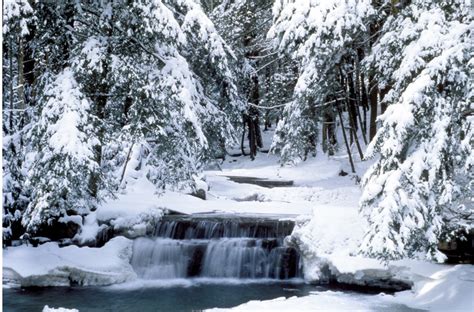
186, 296
193, 297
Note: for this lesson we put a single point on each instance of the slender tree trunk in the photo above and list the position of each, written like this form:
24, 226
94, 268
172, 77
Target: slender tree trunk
21, 85
103, 89
356, 139
362, 125
29, 62
353, 125
252, 138
373, 93
383, 93
358, 91
10, 115
242, 141
345, 139
21, 79
329, 139
255, 135
373, 83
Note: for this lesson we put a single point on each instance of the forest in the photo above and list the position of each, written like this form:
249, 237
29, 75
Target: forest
98, 94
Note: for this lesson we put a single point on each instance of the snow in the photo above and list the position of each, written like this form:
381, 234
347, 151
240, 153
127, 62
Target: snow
55, 266
316, 182
439, 288
89, 229
329, 231
316, 301
443, 288
48, 309
68, 105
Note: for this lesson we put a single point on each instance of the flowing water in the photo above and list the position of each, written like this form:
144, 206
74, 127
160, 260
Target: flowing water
217, 248
190, 264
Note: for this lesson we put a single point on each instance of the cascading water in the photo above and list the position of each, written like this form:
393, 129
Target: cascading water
217, 248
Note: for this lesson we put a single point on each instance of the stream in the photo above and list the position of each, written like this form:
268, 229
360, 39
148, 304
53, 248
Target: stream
192, 263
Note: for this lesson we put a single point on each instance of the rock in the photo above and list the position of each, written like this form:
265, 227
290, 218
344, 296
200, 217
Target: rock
105, 234
200, 193
57, 229
373, 278
39, 240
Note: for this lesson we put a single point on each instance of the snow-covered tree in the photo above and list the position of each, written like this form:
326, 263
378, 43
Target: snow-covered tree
17, 20
176, 112
63, 138
420, 187
244, 24
322, 36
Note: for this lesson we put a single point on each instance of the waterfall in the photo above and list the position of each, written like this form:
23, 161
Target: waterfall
228, 248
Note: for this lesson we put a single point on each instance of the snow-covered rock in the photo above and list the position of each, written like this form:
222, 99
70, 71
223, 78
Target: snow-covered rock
71, 265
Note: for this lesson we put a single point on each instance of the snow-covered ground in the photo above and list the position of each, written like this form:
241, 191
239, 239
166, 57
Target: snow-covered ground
439, 288
49, 265
329, 230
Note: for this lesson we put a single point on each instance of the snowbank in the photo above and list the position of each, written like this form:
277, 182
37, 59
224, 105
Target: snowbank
319, 301
446, 288
140, 199
449, 288
49, 265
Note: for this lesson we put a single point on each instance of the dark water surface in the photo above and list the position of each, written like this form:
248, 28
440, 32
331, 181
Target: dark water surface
191, 298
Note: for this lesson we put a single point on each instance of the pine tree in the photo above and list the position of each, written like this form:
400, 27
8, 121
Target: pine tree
418, 188
17, 20
244, 25
146, 79
320, 36
64, 138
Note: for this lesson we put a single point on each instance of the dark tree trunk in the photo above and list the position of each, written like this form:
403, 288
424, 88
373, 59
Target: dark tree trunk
345, 139
383, 93
352, 111
373, 93
242, 141
373, 83
255, 135
29, 63
329, 138
69, 17
10, 115
102, 89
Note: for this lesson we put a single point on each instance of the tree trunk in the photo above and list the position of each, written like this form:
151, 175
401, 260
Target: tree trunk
242, 141
10, 115
255, 135
383, 93
345, 138
373, 93
373, 83
328, 135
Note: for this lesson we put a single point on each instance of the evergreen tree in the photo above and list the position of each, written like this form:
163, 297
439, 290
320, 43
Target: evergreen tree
64, 138
17, 20
418, 188
244, 25
149, 76
320, 36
